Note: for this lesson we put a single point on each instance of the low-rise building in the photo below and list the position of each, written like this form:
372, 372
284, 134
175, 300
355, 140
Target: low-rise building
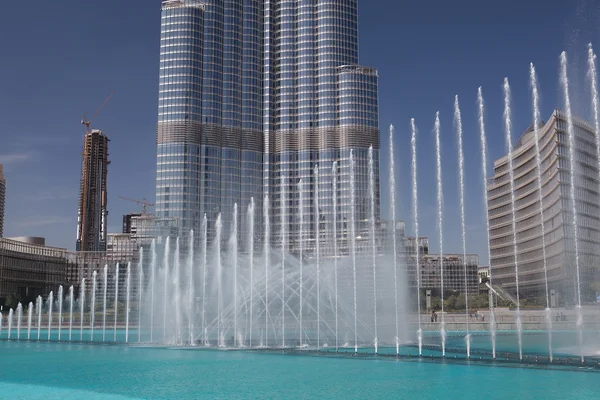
29, 268
454, 272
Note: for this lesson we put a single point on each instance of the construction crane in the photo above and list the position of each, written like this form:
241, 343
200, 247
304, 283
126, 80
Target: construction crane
88, 122
143, 202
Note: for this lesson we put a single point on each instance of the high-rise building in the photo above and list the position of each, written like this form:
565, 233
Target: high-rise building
253, 96
2, 200
557, 242
92, 212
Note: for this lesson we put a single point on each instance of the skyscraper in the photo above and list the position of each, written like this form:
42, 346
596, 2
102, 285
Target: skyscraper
2, 200
253, 95
92, 212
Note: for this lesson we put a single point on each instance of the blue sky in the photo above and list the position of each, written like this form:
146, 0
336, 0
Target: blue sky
60, 60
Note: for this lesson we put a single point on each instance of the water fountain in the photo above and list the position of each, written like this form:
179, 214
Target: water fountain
29, 316
220, 333
140, 288
204, 265
480, 112
104, 293
564, 79
329, 279
190, 264
461, 171
250, 244
284, 222
440, 197
234, 248
127, 294
353, 242
301, 258
373, 241
60, 309
317, 214
266, 251
10, 322
93, 306
415, 205
116, 301
50, 302
39, 314
508, 133
177, 290
71, 301
19, 318
334, 189
536, 123
81, 307
165, 267
152, 288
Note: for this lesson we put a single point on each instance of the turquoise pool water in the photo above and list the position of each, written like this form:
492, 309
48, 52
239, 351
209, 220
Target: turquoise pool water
31, 370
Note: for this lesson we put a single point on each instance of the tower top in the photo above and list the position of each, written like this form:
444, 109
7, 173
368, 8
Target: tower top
182, 3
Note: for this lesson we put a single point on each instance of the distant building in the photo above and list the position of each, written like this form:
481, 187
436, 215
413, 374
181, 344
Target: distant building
29, 268
484, 273
127, 221
430, 268
92, 213
557, 209
454, 273
121, 247
411, 245
2, 200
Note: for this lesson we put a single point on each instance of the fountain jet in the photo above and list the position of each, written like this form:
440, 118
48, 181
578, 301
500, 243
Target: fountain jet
440, 199
536, 123
461, 171
564, 79
480, 107
415, 204
508, 132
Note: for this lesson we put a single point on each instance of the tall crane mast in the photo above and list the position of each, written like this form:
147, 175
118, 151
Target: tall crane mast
88, 122
143, 202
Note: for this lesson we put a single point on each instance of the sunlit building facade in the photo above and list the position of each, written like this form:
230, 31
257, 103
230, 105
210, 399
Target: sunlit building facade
253, 96
29, 268
561, 266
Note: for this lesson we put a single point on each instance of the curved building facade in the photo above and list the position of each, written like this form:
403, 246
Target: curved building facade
557, 213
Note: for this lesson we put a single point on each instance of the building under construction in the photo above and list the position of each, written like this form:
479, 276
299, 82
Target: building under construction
93, 212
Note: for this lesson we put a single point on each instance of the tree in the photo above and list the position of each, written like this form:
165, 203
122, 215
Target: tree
11, 301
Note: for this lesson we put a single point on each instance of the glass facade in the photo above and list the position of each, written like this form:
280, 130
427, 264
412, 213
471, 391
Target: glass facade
209, 111
254, 94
